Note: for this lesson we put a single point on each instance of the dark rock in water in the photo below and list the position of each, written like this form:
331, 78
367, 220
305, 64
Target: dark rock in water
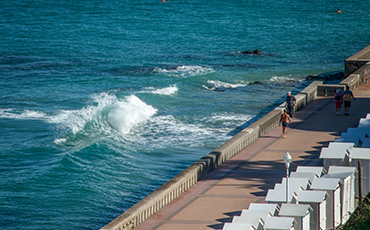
252, 52
256, 83
339, 75
314, 77
336, 76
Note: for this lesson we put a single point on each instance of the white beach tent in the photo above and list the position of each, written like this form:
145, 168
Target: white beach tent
336, 154
255, 217
273, 208
237, 226
333, 206
366, 143
354, 140
364, 123
297, 182
365, 131
308, 175
300, 212
319, 171
276, 222
278, 194
362, 154
317, 201
347, 176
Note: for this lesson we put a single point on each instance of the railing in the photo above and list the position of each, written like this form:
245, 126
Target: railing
356, 66
187, 178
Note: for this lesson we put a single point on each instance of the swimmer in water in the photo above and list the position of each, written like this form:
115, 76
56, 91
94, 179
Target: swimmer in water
338, 11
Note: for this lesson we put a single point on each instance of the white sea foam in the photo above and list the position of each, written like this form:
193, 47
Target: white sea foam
164, 131
24, 115
223, 85
282, 79
168, 91
60, 141
226, 84
119, 115
123, 115
185, 71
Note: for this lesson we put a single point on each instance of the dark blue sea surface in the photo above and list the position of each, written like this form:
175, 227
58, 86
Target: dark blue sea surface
102, 102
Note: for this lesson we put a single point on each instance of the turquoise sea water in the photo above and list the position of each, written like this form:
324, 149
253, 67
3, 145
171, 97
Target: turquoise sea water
102, 102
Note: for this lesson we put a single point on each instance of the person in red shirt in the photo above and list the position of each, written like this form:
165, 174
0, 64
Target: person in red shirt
338, 100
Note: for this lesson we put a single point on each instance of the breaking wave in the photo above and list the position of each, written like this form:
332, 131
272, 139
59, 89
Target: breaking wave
168, 91
121, 115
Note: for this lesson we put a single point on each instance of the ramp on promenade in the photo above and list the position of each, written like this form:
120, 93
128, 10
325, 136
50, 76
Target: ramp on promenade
245, 178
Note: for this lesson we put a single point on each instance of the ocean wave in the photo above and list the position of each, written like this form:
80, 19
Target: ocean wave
123, 115
168, 130
219, 85
184, 71
24, 115
171, 90
110, 111
283, 79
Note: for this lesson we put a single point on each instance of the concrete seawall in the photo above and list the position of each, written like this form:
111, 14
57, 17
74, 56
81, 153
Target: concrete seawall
168, 192
191, 175
356, 61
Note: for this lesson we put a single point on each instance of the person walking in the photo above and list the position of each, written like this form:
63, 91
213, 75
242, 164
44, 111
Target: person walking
284, 121
338, 100
290, 103
347, 97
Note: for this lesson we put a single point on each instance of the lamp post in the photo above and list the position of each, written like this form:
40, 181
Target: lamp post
287, 160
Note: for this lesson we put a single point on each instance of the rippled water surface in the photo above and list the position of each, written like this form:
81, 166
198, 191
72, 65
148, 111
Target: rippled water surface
102, 102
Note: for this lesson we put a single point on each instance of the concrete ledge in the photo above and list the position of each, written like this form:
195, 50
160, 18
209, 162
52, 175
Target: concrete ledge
352, 81
356, 61
329, 90
307, 95
360, 76
187, 178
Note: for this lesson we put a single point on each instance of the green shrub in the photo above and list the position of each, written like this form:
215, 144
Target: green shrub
360, 218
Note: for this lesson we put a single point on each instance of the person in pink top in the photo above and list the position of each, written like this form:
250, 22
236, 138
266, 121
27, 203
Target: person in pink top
338, 100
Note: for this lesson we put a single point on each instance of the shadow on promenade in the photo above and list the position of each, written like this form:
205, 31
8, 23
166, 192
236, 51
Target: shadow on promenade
256, 175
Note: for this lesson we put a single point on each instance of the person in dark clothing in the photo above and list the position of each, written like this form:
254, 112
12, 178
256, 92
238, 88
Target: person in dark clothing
290, 103
284, 121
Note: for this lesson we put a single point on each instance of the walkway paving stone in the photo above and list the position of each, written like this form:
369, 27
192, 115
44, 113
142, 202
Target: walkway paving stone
246, 177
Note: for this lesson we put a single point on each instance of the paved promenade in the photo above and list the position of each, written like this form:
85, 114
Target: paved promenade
246, 178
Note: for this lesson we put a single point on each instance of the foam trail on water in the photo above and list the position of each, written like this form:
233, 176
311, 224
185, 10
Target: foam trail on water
168, 91
185, 71
214, 85
282, 79
25, 115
